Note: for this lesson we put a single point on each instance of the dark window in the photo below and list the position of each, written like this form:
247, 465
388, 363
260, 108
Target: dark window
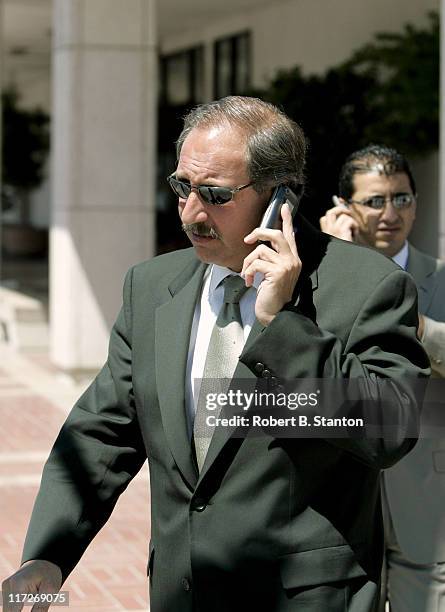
232, 65
181, 88
182, 77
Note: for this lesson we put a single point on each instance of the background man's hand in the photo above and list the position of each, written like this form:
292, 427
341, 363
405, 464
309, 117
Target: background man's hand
339, 222
432, 335
348, 223
421, 328
36, 576
280, 265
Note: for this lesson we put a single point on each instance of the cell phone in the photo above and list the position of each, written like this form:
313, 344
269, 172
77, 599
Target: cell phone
337, 202
281, 194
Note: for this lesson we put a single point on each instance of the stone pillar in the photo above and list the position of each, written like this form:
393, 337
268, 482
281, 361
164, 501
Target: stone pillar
442, 135
103, 167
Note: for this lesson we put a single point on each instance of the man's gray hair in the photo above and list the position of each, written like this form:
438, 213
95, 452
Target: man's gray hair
276, 145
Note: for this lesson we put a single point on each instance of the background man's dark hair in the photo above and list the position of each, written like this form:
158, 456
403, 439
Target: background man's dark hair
276, 145
373, 158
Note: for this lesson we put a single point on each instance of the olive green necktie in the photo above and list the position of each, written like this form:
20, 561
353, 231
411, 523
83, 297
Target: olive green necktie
225, 346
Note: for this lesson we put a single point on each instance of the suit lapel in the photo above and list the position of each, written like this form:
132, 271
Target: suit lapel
173, 326
422, 268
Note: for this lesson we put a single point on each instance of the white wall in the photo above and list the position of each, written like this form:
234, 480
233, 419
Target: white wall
26, 48
31, 75
315, 34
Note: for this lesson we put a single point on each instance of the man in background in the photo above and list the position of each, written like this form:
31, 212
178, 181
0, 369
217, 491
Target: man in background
376, 207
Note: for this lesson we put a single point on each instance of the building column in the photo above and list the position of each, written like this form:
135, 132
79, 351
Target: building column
103, 167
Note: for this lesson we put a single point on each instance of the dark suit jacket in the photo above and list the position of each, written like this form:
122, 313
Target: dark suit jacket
415, 487
269, 524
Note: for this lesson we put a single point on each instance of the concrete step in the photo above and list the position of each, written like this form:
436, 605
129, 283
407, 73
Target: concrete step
23, 319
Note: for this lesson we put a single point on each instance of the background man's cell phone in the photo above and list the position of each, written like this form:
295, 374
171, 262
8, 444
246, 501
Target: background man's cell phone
337, 202
281, 194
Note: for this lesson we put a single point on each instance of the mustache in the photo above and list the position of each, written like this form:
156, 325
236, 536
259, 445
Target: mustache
200, 229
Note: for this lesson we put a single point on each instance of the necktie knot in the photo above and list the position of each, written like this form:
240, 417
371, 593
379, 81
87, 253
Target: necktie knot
234, 289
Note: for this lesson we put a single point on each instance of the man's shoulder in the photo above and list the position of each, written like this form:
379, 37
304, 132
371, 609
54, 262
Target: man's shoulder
335, 258
422, 265
156, 279
350, 257
167, 265
433, 262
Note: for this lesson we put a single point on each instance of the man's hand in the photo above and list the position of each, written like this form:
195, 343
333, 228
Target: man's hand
421, 328
339, 222
280, 265
349, 223
432, 335
36, 576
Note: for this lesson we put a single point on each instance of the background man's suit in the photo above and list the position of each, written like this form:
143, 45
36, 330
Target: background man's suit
269, 524
415, 487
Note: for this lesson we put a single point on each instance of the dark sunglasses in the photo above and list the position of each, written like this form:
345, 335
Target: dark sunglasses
208, 193
399, 201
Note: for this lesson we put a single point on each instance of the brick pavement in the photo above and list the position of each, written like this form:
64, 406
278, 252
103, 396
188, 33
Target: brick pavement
33, 405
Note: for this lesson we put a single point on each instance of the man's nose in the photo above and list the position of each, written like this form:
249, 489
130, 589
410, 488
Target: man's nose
192, 210
389, 213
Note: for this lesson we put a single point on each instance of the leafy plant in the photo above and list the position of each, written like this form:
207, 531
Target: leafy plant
331, 109
405, 97
388, 91
25, 148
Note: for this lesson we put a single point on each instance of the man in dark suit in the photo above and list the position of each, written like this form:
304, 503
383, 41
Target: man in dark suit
377, 207
256, 522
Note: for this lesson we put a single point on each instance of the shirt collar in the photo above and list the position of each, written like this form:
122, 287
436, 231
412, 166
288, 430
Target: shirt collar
401, 258
219, 273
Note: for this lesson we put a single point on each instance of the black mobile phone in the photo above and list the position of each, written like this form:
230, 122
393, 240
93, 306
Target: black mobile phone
281, 194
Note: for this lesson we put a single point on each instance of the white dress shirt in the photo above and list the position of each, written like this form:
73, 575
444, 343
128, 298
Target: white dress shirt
401, 258
206, 312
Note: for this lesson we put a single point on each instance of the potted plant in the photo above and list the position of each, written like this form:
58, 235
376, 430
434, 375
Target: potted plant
24, 152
